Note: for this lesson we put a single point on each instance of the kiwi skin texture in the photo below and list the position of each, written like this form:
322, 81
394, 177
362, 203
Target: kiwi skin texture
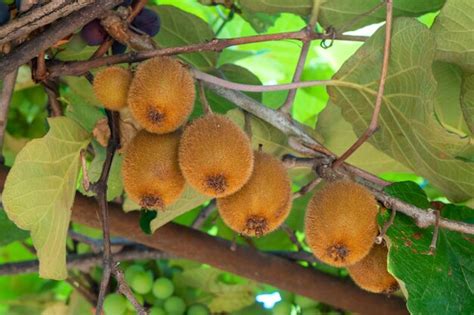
215, 156
340, 223
161, 96
111, 87
263, 203
150, 170
371, 272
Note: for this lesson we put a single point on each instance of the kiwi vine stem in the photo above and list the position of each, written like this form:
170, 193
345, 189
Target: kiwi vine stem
373, 125
5, 98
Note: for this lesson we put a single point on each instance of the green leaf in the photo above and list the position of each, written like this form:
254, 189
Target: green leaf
434, 284
467, 100
146, 216
260, 22
342, 14
39, 191
179, 28
9, 232
454, 33
448, 93
190, 199
408, 132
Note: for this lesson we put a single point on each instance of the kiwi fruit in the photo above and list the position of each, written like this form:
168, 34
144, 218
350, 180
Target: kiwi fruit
263, 203
340, 223
371, 272
161, 95
111, 87
150, 170
215, 156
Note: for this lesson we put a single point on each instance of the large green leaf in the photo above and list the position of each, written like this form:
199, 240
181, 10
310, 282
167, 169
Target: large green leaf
409, 131
345, 15
467, 100
9, 232
434, 284
179, 28
39, 191
454, 33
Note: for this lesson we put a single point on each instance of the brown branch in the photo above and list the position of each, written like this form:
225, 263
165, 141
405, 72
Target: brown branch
307, 188
292, 236
127, 292
386, 226
80, 67
55, 32
206, 107
204, 214
39, 17
373, 126
85, 291
434, 240
52, 90
5, 98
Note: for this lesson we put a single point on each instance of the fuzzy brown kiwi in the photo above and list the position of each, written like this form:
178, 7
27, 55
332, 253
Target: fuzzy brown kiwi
341, 223
215, 156
161, 96
111, 87
371, 272
263, 203
150, 169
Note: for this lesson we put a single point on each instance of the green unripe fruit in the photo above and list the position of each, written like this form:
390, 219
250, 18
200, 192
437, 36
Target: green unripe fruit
142, 282
131, 271
156, 310
198, 309
150, 298
163, 288
115, 304
282, 308
139, 299
175, 305
305, 302
312, 311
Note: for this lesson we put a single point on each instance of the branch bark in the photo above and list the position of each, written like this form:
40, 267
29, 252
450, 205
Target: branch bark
5, 98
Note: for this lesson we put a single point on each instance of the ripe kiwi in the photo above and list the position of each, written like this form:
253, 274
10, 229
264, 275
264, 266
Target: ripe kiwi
263, 203
150, 169
341, 223
215, 156
111, 87
371, 272
161, 95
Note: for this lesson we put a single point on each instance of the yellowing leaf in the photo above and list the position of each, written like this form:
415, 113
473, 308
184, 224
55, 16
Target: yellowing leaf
39, 191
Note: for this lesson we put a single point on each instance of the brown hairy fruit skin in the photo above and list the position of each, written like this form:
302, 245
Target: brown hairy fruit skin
150, 170
263, 203
215, 156
371, 272
111, 87
161, 96
341, 223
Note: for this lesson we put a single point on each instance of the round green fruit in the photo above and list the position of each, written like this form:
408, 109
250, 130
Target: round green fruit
115, 304
139, 299
156, 310
131, 271
142, 282
305, 302
282, 308
175, 305
198, 309
163, 288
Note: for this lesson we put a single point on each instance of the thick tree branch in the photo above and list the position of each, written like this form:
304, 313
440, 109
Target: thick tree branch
5, 98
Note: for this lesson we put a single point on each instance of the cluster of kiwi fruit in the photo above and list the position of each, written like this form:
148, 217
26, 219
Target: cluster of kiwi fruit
212, 154
341, 226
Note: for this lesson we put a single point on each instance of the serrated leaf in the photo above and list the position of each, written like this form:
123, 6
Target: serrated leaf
40, 188
408, 132
190, 199
9, 232
433, 284
345, 15
467, 100
179, 28
454, 33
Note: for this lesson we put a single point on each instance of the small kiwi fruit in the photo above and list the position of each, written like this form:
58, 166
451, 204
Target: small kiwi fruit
215, 156
263, 203
371, 272
150, 170
161, 95
111, 87
341, 223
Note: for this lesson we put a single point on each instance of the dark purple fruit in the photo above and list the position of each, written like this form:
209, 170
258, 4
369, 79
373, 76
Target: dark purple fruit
118, 48
147, 21
4, 13
93, 33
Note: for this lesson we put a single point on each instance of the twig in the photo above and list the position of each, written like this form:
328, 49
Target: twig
204, 214
97, 244
292, 236
206, 107
307, 188
296, 256
434, 240
248, 124
86, 183
359, 17
86, 292
80, 67
125, 290
52, 90
378, 102
7, 92
386, 226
